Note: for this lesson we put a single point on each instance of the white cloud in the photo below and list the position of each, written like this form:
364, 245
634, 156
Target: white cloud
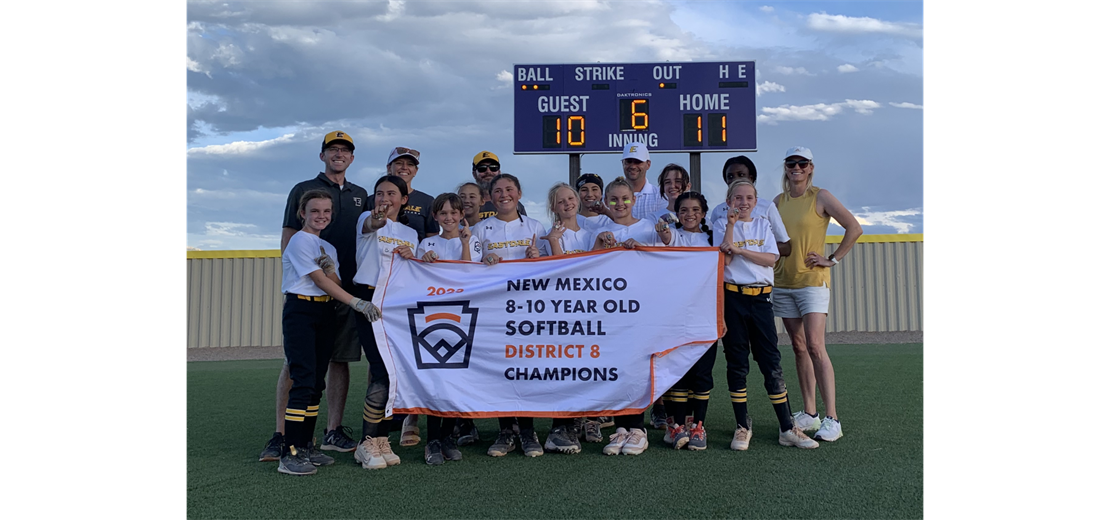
194, 66
906, 105
238, 147
817, 112
887, 218
505, 76
859, 25
767, 9
768, 86
793, 70
847, 67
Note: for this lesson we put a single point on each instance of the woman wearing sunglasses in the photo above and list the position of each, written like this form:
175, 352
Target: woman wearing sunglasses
801, 296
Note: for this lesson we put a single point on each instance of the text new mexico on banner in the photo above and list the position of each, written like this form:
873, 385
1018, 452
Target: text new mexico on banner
600, 333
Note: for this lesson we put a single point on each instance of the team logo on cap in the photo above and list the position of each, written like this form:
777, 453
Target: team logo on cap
340, 134
442, 334
631, 149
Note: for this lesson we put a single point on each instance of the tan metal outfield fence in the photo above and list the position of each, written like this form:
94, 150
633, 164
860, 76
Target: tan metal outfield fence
235, 296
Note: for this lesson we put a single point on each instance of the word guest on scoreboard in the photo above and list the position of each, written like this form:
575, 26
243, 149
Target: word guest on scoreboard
599, 107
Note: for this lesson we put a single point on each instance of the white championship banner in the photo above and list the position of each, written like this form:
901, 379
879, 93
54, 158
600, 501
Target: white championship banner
589, 334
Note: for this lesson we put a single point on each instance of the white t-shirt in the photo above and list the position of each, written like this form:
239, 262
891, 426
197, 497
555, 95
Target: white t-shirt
450, 248
509, 240
648, 202
375, 249
595, 222
643, 231
683, 238
299, 259
764, 208
755, 236
572, 241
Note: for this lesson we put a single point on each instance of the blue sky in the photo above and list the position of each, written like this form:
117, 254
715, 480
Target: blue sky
265, 81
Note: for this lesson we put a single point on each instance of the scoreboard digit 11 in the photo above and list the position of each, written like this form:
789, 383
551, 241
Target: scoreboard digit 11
599, 107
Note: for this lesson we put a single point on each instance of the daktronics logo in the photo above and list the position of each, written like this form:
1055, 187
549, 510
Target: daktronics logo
442, 334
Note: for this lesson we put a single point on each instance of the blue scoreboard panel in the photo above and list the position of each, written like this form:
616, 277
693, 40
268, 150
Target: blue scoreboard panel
599, 107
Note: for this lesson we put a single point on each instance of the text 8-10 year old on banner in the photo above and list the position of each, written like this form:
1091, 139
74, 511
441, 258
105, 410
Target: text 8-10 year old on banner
599, 333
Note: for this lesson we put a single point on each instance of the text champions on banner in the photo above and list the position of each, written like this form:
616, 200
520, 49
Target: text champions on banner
597, 333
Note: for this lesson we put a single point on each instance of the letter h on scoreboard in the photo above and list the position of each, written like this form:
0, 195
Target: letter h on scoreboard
442, 334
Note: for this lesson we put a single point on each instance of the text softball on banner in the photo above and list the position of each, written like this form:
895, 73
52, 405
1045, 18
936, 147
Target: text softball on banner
599, 333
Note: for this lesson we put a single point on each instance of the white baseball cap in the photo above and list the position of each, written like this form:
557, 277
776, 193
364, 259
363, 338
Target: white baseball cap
800, 151
638, 151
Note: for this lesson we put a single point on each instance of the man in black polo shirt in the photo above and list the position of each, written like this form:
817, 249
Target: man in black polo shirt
348, 201
485, 167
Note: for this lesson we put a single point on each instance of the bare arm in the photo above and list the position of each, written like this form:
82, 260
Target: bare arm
836, 210
784, 248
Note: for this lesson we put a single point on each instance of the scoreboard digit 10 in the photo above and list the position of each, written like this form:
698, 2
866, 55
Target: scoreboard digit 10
599, 107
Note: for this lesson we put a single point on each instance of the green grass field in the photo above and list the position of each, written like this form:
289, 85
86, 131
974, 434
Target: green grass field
875, 471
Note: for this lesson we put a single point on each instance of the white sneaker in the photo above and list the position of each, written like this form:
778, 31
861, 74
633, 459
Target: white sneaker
616, 442
795, 437
805, 421
830, 430
369, 455
636, 444
741, 438
387, 451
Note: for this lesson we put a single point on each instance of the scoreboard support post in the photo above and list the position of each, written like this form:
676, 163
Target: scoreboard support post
575, 168
695, 171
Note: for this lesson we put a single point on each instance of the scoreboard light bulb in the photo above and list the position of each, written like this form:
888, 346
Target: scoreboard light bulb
524, 87
660, 85
535, 87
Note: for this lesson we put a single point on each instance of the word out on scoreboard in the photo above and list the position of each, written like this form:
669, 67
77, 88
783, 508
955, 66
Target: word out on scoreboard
598, 108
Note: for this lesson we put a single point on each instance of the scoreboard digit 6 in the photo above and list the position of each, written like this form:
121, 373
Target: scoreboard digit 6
598, 108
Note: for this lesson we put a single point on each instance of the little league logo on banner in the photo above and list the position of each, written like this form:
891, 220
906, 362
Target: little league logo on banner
600, 333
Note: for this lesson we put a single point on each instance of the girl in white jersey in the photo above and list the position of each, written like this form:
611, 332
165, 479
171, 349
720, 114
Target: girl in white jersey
749, 319
629, 232
309, 281
508, 235
452, 243
688, 400
380, 234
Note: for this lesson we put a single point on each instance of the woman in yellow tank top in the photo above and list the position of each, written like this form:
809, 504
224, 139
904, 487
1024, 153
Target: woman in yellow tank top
801, 295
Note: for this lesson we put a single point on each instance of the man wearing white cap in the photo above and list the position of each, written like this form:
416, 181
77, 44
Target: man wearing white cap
636, 161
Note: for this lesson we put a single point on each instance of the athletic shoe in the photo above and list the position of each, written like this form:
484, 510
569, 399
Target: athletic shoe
433, 453
697, 438
593, 431
562, 441
272, 451
530, 443
579, 427
607, 421
658, 417
503, 445
678, 436
410, 431
387, 451
636, 444
830, 430
468, 432
339, 439
451, 450
743, 436
317, 457
806, 421
616, 442
295, 462
795, 437
369, 455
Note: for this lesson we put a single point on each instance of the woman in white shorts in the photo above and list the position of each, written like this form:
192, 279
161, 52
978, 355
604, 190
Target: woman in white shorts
801, 295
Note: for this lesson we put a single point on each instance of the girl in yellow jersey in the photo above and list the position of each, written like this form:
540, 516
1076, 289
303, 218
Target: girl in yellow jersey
801, 296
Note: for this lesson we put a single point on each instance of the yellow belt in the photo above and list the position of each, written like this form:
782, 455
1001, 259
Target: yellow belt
748, 290
314, 298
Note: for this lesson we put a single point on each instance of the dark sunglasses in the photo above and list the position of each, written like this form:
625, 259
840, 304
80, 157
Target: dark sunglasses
481, 168
802, 163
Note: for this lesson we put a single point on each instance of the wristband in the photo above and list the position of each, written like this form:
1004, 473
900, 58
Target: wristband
832, 258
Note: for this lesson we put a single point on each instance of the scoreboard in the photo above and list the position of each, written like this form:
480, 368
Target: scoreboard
599, 107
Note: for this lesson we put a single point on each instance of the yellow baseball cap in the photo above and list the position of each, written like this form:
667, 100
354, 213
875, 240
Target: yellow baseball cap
337, 135
486, 156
